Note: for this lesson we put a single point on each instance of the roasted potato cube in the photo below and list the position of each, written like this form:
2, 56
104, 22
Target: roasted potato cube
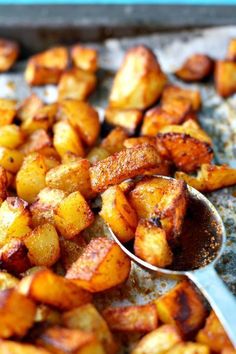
46, 67
7, 111
114, 140
14, 257
7, 281
17, 313
151, 244
30, 179
97, 154
53, 290
43, 245
139, 82
189, 348
4, 183
127, 119
67, 140
90, 270
118, 214
43, 119
10, 159
38, 141
14, 219
187, 145
125, 164
196, 68
86, 318
42, 210
214, 335
182, 299
8, 347
158, 341
11, 136
84, 58
83, 117
225, 77
231, 52
172, 92
71, 177
9, 52
132, 318
71, 250
70, 341
76, 84
29, 107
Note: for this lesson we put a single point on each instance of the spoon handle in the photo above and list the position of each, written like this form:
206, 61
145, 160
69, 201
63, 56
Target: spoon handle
220, 298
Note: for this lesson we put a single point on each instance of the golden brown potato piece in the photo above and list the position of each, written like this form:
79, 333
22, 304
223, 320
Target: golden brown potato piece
189, 348
67, 140
196, 68
3, 184
187, 145
60, 340
151, 244
84, 58
46, 67
10, 347
114, 140
43, 245
14, 219
7, 111
231, 52
132, 318
71, 250
38, 141
118, 214
7, 281
214, 335
43, 119
29, 107
182, 299
73, 215
9, 52
14, 257
42, 210
172, 92
83, 117
225, 77
76, 84
127, 119
158, 341
90, 270
53, 290
139, 82
11, 136
17, 313
86, 318
210, 177
71, 177
125, 164
11, 159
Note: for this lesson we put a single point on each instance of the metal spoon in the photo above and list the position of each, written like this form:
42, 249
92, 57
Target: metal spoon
198, 259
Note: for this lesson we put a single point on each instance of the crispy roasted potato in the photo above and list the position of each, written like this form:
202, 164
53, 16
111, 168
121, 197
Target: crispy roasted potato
83, 117
73, 215
214, 335
10, 347
125, 164
114, 140
158, 341
30, 179
76, 84
46, 67
196, 68
43, 245
151, 244
84, 58
189, 348
11, 159
97, 154
118, 214
182, 299
14, 257
38, 141
128, 119
90, 270
4, 183
7, 281
70, 341
14, 220
67, 140
7, 111
71, 250
139, 82
225, 77
17, 313
43, 119
172, 92
132, 318
86, 318
231, 52
11, 136
71, 177
48, 288
9, 52
29, 107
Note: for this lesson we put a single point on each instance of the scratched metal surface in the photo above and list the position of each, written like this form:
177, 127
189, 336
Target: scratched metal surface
218, 117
